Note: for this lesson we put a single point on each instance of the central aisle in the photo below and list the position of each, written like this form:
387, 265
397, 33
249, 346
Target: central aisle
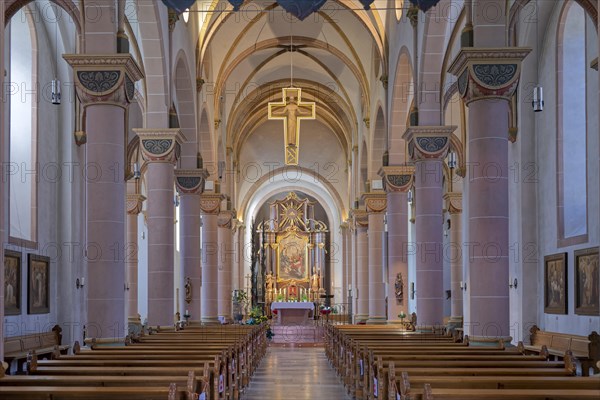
296, 374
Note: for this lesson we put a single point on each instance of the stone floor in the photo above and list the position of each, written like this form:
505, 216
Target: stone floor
295, 373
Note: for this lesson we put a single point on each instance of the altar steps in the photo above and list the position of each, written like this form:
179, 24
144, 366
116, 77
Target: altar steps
297, 334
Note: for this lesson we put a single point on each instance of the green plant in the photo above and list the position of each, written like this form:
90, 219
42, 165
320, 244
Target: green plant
304, 298
279, 297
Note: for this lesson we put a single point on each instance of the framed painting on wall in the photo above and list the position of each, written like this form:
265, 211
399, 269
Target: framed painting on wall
38, 299
555, 284
587, 282
12, 282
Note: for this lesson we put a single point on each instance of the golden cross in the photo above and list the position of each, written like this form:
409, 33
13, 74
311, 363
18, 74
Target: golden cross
292, 110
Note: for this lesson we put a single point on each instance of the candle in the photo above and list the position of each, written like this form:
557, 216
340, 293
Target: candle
187, 312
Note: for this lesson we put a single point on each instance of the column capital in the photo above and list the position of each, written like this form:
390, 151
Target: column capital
375, 202
133, 203
225, 219
104, 78
160, 145
453, 202
594, 64
210, 203
361, 219
190, 181
428, 142
488, 73
398, 178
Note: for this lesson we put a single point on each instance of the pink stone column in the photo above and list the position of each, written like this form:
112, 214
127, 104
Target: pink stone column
454, 252
428, 146
343, 253
209, 210
376, 204
226, 255
362, 267
488, 250
190, 185
105, 185
160, 149
397, 182
4, 157
134, 207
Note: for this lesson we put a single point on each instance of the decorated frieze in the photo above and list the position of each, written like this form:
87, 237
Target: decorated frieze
133, 203
453, 202
485, 73
160, 145
190, 181
428, 142
375, 203
104, 78
210, 203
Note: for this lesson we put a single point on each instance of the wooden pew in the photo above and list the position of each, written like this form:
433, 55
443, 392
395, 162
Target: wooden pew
46, 344
586, 349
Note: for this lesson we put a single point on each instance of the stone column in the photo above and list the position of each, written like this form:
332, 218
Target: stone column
160, 150
210, 204
454, 207
105, 86
397, 181
343, 252
134, 207
225, 264
376, 204
428, 146
190, 185
361, 220
487, 79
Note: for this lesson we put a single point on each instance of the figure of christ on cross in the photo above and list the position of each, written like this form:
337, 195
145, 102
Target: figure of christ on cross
291, 111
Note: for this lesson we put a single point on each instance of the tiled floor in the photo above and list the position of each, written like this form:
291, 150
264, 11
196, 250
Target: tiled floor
295, 373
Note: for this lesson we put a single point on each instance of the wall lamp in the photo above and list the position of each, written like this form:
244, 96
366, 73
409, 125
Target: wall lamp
463, 286
513, 283
79, 283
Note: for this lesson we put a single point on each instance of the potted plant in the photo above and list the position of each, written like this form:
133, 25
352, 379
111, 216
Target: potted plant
402, 315
240, 300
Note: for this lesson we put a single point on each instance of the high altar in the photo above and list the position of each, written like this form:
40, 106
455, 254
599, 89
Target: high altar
294, 244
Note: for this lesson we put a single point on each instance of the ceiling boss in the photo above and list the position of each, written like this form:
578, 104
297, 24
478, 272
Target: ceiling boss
292, 110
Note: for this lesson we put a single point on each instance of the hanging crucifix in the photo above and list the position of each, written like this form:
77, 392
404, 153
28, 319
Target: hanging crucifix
292, 110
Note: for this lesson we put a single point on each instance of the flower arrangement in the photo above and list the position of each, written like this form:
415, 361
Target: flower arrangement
324, 310
304, 298
292, 299
279, 297
402, 315
256, 316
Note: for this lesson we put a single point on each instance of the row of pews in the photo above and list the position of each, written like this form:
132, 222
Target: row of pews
386, 362
205, 363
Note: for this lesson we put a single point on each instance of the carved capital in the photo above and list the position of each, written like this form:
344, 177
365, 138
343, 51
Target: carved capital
594, 64
225, 219
397, 178
199, 83
190, 181
210, 203
133, 203
428, 142
160, 145
453, 202
375, 203
104, 78
361, 219
486, 73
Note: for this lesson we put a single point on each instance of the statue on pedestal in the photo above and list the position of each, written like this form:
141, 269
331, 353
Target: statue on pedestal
315, 284
270, 287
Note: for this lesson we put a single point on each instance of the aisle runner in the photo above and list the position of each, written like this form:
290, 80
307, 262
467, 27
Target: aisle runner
294, 373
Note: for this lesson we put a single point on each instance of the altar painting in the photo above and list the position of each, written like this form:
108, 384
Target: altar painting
292, 257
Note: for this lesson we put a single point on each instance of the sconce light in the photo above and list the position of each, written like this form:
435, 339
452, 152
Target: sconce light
452, 160
176, 200
463, 286
412, 290
538, 99
79, 283
513, 283
137, 174
126, 285
55, 91
410, 196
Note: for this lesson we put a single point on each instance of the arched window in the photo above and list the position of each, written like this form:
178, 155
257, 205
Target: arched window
22, 109
572, 123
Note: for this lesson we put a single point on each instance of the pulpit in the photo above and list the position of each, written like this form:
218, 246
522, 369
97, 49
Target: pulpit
293, 313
